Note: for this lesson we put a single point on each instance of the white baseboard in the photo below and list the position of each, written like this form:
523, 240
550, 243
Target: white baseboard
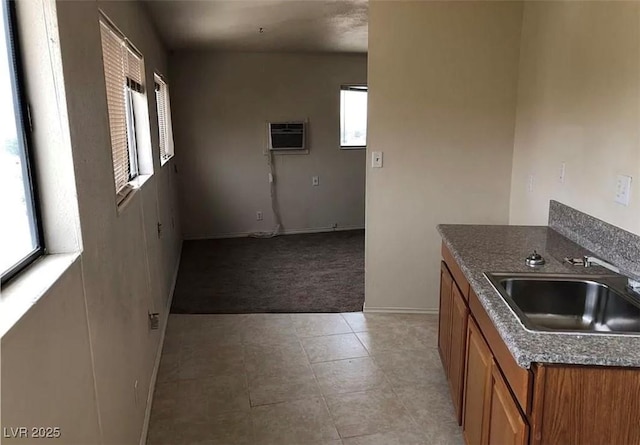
156, 366
284, 232
399, 310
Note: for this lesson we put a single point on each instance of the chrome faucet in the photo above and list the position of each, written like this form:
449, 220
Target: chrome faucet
588, 261
591, 260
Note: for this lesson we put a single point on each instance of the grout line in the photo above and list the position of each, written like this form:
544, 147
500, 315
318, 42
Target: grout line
322, 396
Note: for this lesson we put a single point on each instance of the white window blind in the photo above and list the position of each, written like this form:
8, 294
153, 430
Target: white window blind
123, 68
165, 130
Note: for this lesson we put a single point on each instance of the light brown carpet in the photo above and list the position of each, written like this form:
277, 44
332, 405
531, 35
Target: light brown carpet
320, 272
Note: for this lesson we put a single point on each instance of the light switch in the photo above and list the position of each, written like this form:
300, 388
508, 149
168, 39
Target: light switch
376, 159
623, 190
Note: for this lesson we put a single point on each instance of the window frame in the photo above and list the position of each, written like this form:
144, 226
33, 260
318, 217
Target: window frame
161, 86
134, 84
350, 87
25, 142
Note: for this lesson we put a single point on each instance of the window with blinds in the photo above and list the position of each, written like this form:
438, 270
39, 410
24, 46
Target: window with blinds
165, 129
124, 76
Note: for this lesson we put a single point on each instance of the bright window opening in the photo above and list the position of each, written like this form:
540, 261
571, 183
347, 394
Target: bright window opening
165, 129
353, 116
20, 239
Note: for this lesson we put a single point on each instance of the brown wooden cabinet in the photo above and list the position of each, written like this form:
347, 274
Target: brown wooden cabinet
458, 352
444, 326
452, 335
477, 384
500, 403
506, 425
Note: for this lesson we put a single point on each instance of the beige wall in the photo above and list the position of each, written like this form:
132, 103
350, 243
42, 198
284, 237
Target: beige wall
578, 104
221, 104
442, 79
73, 360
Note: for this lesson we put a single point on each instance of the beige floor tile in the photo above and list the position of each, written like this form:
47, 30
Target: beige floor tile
420, 367
179, 324
430, 406
411, 437
269, 389
198, 400
214, 337
299, 422
223, 393
222, 429
210, 361
288, 359
214, 367
445, 434
351, 375
270, 336
266, 321
333, 347
165, 396
361, 322
171, 344
168, 369
428, 333
378, 340
314, 325
368, 412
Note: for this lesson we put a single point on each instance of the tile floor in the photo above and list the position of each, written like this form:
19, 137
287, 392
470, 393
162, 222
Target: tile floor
350, 379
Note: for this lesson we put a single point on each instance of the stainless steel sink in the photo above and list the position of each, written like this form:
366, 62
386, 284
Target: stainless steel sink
568, 303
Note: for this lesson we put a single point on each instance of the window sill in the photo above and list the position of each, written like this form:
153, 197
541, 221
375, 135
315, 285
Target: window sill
163, 161
24, 291
136, 184
353, 147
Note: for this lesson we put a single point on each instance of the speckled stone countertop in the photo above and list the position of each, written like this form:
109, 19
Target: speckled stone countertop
479, 249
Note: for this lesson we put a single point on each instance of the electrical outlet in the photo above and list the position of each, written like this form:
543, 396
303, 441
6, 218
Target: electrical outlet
623, 190
563, 170
376, 159
315, 181
530, 183
258, 215
154, 321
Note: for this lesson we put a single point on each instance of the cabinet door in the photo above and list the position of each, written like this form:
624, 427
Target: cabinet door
458, 352
444, 327
476, 387
506, 424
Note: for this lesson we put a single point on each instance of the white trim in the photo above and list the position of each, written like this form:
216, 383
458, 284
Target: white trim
398, 310
284, 232
156, 366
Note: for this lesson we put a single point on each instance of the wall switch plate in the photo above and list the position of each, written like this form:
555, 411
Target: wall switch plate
563, 170
376, 159
258, 215
530, 183
623, 190
315, 180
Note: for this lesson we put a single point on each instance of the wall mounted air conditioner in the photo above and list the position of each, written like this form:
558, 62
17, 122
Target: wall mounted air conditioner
287, 135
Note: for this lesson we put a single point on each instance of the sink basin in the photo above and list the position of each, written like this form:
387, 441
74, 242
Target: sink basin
580, 304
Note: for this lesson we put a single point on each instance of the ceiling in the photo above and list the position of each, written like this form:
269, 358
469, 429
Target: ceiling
287, 25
